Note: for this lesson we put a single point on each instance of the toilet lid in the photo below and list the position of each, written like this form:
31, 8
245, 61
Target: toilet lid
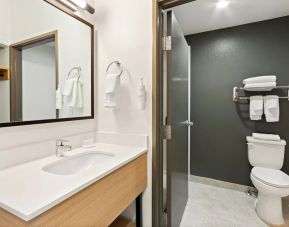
273, 177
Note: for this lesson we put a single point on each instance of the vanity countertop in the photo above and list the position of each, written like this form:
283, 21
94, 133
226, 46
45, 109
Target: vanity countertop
27, 191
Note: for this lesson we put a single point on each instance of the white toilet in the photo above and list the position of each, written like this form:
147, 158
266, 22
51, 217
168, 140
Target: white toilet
267, 159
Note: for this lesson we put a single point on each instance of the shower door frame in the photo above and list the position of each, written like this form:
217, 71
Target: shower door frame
157, 116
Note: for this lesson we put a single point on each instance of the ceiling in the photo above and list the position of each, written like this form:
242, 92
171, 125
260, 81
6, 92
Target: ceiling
202, 15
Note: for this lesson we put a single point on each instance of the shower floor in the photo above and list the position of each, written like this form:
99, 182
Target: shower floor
210, 206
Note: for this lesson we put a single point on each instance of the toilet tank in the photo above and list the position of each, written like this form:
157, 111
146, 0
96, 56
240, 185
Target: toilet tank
266, 153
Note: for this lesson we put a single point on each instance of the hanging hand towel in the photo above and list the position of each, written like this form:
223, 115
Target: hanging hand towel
72, 97
79, 94
260, 79
256, 108
268, 86
58, 99
73, 93
68, 86
112, 84
271, 105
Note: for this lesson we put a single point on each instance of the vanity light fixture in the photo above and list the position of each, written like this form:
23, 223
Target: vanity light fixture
68, 4
222, 4
80, 3
73, 4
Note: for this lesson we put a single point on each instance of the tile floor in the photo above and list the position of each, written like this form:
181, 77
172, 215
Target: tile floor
210, 206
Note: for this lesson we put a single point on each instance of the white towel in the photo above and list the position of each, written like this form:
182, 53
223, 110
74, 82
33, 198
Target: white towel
77, 97
256, 107
58, 99
79, 94
73, 100
112, 84
68, 86
263, 136
268, 86
73, 92
271, 106
260, 79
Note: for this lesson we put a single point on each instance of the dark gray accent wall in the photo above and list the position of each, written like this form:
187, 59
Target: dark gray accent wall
220, 60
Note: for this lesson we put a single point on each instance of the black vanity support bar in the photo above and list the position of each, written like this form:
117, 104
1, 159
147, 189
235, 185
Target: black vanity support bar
139, 211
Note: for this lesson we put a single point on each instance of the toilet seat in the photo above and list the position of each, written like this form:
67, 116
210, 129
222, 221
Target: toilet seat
272, 177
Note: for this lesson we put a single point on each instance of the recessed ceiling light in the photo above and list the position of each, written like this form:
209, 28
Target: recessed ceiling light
222, 4
81, 3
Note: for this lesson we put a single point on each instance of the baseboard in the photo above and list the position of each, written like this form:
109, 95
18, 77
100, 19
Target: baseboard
221, 184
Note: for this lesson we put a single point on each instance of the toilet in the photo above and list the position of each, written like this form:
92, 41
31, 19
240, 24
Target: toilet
267, 157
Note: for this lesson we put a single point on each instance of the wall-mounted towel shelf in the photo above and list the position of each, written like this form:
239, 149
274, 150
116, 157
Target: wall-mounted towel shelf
237, 97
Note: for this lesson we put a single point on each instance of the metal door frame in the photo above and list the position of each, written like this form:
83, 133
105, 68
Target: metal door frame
157, 115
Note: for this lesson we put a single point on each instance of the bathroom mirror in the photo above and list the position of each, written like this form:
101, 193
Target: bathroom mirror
46, 64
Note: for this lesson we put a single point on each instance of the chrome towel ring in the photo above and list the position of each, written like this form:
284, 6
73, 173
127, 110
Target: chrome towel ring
119, 65
73, 69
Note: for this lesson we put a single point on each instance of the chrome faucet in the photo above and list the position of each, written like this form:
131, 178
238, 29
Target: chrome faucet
61, 147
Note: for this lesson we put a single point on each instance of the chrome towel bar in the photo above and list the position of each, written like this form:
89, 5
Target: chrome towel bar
237, 97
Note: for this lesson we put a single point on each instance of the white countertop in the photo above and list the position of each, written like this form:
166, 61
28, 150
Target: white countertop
27, 191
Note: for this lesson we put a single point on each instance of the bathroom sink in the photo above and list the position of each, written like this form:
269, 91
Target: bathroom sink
77, 163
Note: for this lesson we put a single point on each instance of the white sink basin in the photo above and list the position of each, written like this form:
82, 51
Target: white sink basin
77, 163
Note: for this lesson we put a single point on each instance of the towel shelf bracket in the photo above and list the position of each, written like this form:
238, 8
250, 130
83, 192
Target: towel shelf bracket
237, 97
235, 94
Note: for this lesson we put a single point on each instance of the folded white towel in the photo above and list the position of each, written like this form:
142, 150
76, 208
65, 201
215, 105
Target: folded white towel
271, 106
256, 108
112, 84
58, 99
263, 136
268, 86
260, 79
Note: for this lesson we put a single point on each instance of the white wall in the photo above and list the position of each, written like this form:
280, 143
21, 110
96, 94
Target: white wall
5, 101
38, 83
124, 33
4, 60
4, 87
4, 22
